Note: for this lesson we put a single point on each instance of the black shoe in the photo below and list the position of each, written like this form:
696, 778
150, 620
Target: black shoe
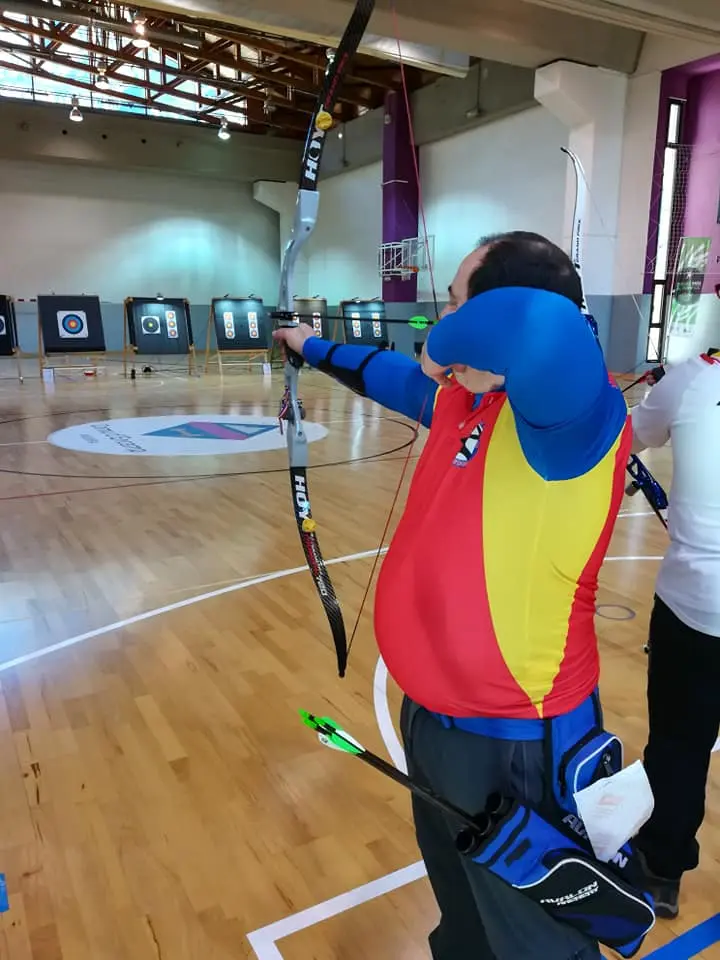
664, 892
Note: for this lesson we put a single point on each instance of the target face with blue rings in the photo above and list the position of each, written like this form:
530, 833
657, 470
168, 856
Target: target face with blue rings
149, 324
72, 323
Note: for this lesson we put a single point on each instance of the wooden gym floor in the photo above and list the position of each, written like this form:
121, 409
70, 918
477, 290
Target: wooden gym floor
160, 798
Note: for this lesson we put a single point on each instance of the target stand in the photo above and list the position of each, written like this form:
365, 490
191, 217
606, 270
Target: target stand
70, 334
242, 333
157, 326
9, 346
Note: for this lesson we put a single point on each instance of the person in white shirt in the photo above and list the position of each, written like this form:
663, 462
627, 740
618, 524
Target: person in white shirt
684, 637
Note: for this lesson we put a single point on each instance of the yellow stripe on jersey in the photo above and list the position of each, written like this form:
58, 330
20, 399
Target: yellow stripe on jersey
538, 536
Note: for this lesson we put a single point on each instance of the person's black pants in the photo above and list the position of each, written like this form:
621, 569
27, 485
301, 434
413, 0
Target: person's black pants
483, 918
684, 715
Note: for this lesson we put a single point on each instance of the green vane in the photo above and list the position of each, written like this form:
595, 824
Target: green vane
419, 323
330, 733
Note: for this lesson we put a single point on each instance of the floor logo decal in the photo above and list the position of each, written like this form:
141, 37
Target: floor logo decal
179, 436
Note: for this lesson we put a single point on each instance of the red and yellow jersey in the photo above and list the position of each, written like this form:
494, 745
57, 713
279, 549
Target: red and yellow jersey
486, 599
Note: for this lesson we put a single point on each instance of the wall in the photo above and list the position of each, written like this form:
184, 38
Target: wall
442, 109
32, 131
343, 250
506, 176
78, 229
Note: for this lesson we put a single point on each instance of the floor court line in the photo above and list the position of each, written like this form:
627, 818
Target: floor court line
198, 598
170, 607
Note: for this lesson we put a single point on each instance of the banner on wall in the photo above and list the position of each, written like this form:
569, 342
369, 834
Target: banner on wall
692, 261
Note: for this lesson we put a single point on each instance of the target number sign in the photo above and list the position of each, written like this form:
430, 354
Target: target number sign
72, 324
171, 322
229, 321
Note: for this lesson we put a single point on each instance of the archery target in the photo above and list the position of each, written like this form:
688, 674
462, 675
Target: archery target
377, 328
149, 324
253, 328
3, 326
356, 325
171, 324
72, 324
229, 324
317, 324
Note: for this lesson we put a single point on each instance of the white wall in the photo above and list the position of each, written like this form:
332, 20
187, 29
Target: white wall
76, 229
507, 175
638, 154
342, 252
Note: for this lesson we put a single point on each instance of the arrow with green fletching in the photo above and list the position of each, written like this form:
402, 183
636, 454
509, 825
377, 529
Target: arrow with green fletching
331, 734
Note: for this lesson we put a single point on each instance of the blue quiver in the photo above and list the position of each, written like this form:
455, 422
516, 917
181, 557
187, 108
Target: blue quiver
554, 865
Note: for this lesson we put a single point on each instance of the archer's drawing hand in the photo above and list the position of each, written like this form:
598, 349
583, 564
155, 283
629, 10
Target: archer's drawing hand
434, 370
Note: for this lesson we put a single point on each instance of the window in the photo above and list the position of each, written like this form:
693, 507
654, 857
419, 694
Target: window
153, 84
667, 238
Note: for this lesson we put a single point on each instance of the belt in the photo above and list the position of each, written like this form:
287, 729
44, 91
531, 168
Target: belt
512, 728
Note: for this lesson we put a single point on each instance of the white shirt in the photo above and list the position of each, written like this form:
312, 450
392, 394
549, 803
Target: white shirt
684, 407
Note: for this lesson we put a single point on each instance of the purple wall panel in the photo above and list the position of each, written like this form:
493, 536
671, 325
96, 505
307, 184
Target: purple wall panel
698, 84
400, 191
702, 193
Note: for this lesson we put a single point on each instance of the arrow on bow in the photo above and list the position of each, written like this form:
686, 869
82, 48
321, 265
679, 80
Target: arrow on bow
641, 478
306, 211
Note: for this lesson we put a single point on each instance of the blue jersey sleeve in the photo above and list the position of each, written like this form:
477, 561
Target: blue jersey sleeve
390, 379
567, 411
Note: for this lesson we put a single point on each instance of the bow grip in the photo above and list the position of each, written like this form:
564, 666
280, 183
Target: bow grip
286, 318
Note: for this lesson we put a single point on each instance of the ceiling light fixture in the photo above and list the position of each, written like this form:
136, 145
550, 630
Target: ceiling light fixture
101, 80
223, 132
75, 114
140, 39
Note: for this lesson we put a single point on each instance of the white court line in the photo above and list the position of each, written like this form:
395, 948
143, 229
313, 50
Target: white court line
21, 443
263, 941
177, 605
636, 513
611, 559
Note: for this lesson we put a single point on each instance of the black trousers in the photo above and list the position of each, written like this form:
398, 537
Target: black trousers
684, 715
483, 918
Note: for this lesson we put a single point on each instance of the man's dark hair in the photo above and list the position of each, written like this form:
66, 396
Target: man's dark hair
520, 259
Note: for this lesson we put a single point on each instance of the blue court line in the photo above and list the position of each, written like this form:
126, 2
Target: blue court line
691, 943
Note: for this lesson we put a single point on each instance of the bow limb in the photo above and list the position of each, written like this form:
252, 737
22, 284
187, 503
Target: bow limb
306, 213
641, 478
576, 252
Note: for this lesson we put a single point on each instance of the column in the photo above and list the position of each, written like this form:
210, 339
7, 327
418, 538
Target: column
400, 191
591, 102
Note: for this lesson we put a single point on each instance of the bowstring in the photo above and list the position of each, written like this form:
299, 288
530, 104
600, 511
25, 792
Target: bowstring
421, 207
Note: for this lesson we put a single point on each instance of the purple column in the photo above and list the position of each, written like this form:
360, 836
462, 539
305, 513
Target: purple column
400, 191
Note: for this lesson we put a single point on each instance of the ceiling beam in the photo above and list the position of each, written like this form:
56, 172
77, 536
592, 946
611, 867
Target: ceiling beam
235, 86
